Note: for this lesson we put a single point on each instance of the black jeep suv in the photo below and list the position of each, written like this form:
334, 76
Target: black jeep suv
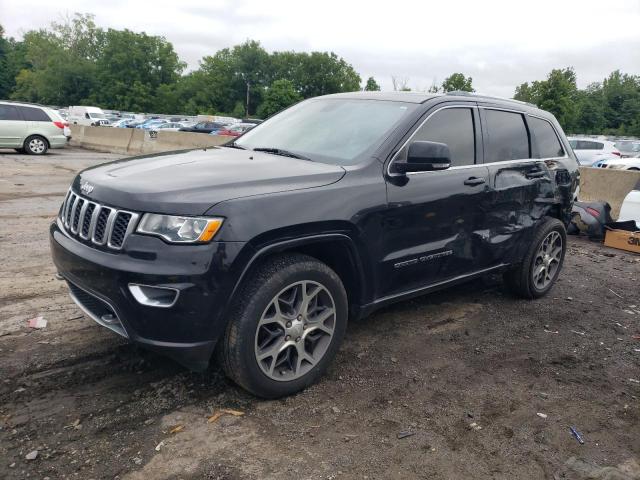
261, 249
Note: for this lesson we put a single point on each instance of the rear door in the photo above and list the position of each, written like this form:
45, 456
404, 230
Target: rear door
520, 184
13, 128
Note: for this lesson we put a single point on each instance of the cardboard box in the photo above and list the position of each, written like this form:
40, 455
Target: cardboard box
623, 240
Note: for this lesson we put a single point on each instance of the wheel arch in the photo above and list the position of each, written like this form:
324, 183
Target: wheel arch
336, 250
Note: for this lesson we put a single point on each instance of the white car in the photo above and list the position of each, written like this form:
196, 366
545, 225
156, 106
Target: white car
629, 163
589, 150
630, 209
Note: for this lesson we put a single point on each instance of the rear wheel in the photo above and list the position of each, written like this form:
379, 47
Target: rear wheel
286, 326
36, 145
538, 272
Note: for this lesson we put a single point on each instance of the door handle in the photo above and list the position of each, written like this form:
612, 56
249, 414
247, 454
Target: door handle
471, 181
535, 174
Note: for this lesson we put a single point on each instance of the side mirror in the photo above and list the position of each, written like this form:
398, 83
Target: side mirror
425, 157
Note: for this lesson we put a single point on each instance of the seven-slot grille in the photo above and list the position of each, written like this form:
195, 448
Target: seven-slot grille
96, 223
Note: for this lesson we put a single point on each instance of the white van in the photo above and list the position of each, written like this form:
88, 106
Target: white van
92, 116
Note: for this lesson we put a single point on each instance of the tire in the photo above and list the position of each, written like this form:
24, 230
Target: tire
524, 280
36, 145
253, 333
19, 150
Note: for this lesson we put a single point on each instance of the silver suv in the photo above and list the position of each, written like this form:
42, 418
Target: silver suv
30, 128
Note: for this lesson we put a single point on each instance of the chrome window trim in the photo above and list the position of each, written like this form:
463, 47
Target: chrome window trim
395, 156
477, 107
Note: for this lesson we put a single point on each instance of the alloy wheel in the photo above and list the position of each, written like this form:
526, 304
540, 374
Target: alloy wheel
36, 145
547, 260
295, 330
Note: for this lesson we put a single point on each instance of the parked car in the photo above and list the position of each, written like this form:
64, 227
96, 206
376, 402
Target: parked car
589, 151
630, 209
91, 116
30, 128
122, 123
167, 127
234, 130
628, 148
203, 127
627, 163
151, 123
333, 208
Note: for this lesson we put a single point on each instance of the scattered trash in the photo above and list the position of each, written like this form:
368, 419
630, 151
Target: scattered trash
636, 349
634, 380
577, 332
159, 446
225, 411
616, 294
37, 322
630, 312
19, 390
635, 337
569, 298
31, 455
75, 425
405, 434
137, 460
335, 409
475, 426
176, 429
394, 360
577, 435
551, 331
542, 415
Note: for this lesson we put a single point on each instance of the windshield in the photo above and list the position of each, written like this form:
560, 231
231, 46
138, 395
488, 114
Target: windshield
328, 130
632, 146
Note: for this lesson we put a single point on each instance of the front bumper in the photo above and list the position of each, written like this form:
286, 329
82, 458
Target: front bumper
204, 276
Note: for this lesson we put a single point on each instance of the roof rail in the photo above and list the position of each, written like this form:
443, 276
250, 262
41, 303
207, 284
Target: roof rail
463, 93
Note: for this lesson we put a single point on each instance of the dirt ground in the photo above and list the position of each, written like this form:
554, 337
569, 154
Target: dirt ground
484, 385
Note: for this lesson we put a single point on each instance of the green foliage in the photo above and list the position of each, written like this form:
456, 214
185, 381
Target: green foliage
372, 85
280, 95
611, 107
457, 82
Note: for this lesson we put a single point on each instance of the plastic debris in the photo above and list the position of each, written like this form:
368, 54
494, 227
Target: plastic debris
224, 411
31, 455
475, 426
578, 333
541, 415
634, 380
616, 294
405, 434
159, 446
176, 429
37, 322
576, 434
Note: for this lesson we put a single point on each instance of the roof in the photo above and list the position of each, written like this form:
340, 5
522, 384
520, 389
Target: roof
14, 102
421, 97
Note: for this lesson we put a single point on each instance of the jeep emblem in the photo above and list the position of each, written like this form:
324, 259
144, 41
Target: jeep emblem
86, 188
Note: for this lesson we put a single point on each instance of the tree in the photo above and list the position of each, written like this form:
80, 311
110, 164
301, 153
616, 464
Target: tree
279, 96
251, 64
457, 82
372, 85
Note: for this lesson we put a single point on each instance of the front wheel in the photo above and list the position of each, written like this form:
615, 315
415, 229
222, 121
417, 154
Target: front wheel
36, 145
534, 277
286, 326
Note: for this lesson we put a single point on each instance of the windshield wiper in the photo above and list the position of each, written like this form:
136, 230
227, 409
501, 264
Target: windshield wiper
235, 145
281, 152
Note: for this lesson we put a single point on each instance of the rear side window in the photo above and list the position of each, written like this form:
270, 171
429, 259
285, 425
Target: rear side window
9, 112
588, 145
549, 145
453, 126
34, 114
507, 136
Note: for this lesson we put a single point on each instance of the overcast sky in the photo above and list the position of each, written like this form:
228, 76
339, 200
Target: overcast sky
499, 43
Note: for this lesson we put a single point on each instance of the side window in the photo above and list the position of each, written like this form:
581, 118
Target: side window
9, 112
546, 139
453, 126
34, 114
598, 146
507, 136
86, 115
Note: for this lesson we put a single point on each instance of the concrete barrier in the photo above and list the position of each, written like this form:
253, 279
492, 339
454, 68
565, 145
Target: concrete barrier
133, 141
605, 184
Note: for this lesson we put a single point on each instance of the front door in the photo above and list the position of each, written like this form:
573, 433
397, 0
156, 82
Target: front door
12, 128
430, 226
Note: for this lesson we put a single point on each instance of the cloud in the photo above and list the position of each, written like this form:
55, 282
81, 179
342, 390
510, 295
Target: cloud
499, 43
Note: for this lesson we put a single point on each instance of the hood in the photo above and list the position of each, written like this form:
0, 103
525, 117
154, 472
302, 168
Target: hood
191, 182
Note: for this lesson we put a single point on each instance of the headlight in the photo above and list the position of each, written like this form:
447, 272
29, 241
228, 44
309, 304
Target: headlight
179, 229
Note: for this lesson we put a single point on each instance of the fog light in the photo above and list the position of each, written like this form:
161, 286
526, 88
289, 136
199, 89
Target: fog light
162, 297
